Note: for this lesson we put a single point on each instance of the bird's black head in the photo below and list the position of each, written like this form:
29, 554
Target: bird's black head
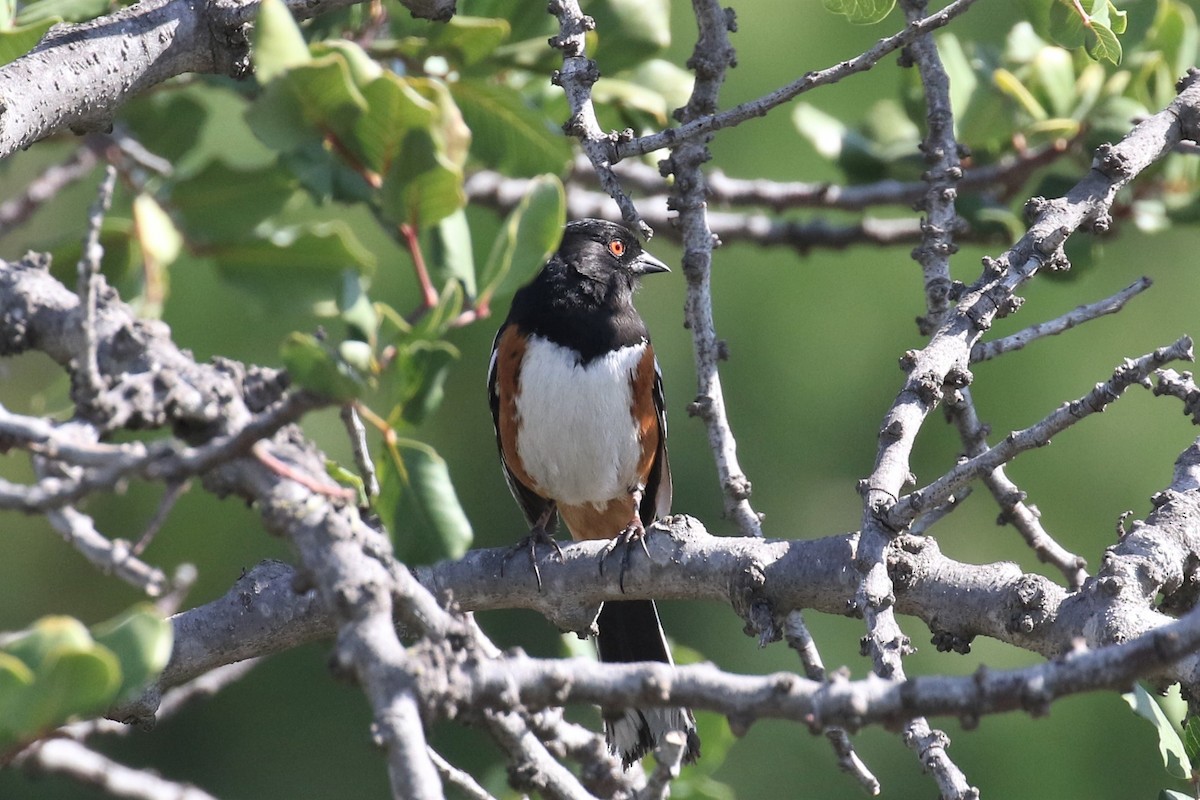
606, 253
583, 297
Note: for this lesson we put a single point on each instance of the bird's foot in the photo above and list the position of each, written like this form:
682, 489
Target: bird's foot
537, 535
634, 532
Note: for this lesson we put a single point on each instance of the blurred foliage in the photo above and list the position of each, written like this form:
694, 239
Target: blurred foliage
57, 670
316, 218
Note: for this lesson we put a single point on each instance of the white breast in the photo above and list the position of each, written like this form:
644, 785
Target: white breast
577, 441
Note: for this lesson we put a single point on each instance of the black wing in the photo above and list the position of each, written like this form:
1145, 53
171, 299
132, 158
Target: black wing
533, 505
656, 502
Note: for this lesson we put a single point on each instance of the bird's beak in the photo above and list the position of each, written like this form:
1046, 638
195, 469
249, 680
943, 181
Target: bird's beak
646, 264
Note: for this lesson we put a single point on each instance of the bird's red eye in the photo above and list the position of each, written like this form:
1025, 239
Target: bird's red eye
616, 247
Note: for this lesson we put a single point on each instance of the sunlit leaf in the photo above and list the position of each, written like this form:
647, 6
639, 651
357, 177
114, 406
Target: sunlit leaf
470, 39
1170, 746
1103, 44
451, 256
297, 264
422, 187
418, 504
16, 42
312, 365
861, 12
220, 203
356, 308
422, 368
394, 107
630, 31
141, 639
60, 11
528, 237
156, 232
363, 68
510, 136
278, 43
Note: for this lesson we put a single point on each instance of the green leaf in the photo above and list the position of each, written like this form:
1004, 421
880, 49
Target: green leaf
356, 308
16, 42
630, 95
451, 257
1011, 85
299, 264
435, 322
1170, 746
51, 672
47, 636
510, 136
421, 370
1171, 794
1191, 742
363, 68
861, 12
347, 477
529, 236
160, 240
312, 365
141, 639
72, 682
1102, 44
393, 108
221, 203
278, 43
630, 31
1054, 73
1119, 20
418, 504
61, 11
825, 132
423, 186
169, 124
8, 9
1175, 34
469, 39
120, 256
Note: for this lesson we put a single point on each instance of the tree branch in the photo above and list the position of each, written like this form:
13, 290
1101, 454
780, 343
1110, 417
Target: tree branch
160, 40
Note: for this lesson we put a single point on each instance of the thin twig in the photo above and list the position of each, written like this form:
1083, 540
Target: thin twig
1002, 179
984, 351
923, 523
577, 76
46, 186
174, 491
85, 766
362, 454
502, 193
1013, 509
1037, 435
711, 58
1182, 386
797, 635
700, 126
885, 642
110, 556
459, 779
89, 275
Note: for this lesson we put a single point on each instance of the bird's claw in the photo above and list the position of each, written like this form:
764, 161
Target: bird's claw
634, 532
538, 535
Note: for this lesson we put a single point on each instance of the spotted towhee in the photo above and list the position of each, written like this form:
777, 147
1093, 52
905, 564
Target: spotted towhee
577, 400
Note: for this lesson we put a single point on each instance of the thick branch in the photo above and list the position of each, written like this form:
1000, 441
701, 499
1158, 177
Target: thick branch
96, 67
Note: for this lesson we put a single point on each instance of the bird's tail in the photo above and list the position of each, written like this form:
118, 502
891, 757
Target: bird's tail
630, 632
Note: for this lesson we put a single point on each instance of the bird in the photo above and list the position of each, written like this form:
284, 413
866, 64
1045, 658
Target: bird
577, 400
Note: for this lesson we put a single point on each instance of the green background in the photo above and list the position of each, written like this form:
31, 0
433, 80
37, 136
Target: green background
814, 341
